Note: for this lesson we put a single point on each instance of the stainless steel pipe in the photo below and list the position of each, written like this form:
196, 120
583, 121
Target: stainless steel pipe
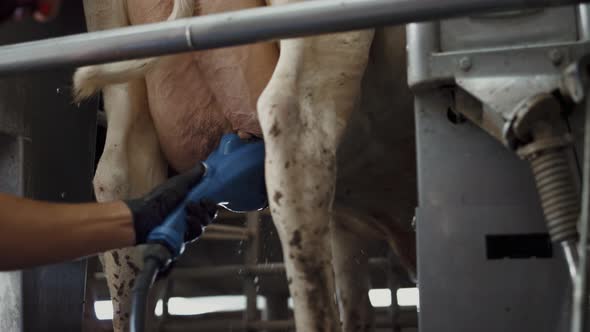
242, 27
570, 251
579, 322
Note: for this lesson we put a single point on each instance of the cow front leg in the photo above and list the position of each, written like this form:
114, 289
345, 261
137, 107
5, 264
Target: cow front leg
130, 166
303, 112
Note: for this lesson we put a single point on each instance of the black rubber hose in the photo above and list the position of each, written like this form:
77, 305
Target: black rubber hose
156, 258
140, 293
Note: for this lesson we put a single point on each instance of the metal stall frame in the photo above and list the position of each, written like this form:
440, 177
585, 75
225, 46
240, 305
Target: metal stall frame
248, 272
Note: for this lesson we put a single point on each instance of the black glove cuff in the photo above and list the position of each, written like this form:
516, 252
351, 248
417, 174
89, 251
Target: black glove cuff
150, 210
143, 218
198, 216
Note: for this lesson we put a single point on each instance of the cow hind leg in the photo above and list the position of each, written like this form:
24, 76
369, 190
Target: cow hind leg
130, 166
351, 269
303, 112
131, 162
402, 240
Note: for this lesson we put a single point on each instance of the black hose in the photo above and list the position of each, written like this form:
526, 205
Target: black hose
155, 259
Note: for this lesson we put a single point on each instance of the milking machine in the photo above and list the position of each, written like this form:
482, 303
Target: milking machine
527, 90
233, 179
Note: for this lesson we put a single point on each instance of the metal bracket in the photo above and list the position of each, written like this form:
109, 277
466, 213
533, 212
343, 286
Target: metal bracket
575, 80
494, 85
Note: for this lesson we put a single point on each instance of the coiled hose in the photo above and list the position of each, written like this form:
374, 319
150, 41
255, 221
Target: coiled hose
558, 193
546, 143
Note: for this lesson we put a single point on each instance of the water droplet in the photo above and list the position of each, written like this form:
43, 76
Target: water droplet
256, 280
58, 90
63, 195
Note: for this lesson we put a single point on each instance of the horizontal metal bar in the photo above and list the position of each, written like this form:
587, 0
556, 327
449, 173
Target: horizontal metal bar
227, 229
406, 318
242, 27
224, 236
519, 60
184, 324
240, 270
220, 271
228, 215
243, 270
226, 270
225, 232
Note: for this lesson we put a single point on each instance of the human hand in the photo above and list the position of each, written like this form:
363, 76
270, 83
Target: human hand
151, 210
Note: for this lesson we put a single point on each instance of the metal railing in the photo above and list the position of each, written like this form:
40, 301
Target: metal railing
242, 27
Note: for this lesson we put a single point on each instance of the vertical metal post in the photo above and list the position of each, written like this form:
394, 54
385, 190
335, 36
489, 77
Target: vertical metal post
584, 22
250, 260
11, 313
422, 40
277, 308
11, 181
580, 295
393, 282
91, 322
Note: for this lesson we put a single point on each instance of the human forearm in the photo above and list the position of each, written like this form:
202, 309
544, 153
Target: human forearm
33, 233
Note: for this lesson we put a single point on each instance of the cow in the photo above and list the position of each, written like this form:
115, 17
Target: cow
303, 97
